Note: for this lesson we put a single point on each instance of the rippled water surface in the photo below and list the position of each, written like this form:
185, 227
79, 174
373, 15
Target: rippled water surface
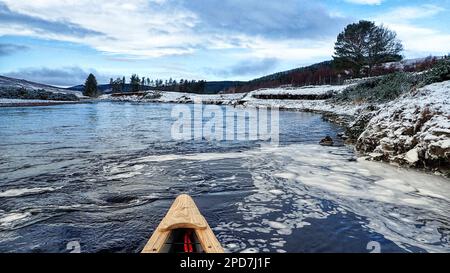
105, 174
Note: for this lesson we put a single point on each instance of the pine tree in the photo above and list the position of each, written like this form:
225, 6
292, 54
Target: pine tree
90, 87
364, 44
135, 83
117, 85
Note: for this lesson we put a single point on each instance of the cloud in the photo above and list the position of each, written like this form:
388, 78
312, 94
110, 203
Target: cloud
271, 19
37, 25
138, 28
8, 49
408, 13
145, 29
365, 2
417, 40
66, 76
247, 68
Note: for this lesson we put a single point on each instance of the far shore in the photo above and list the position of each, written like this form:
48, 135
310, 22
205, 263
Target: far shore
28, 103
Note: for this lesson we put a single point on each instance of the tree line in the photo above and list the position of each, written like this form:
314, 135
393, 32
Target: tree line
137, 84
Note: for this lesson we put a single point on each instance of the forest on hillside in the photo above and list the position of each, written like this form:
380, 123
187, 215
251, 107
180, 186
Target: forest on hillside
326, 73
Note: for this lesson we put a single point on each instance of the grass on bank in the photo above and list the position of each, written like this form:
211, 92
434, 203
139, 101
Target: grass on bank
389, 87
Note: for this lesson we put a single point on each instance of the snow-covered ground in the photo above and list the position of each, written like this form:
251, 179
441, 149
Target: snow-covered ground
302, 105
177, 97
413, 129
15, 101
21, 102
305, 90
248, 99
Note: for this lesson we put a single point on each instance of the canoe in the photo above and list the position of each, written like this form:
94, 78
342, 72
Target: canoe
183, 230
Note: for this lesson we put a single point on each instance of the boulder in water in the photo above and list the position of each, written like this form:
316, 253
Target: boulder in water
327, 141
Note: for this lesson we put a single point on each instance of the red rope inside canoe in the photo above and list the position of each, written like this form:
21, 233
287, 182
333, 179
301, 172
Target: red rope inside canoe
187, 242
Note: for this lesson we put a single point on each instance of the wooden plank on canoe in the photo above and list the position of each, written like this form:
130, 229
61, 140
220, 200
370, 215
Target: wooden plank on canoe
183, 214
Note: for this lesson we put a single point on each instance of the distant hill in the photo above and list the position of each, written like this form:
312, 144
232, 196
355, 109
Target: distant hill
105, 88
219, 86
7, 82
325, 73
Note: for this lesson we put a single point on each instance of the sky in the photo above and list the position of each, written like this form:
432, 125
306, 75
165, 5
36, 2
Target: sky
59, 42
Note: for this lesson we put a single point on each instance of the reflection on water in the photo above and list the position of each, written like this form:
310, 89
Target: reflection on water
105, 174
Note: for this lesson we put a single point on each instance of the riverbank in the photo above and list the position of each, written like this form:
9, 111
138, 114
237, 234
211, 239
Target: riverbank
32, 103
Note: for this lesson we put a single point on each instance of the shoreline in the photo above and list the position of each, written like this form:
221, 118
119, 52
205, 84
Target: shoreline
36, 104
8, 103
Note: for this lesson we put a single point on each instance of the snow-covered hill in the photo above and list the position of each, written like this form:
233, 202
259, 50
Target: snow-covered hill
6, 82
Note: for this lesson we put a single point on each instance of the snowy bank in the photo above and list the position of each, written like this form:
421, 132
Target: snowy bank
309, 99
25, 102
251, 99
412, 130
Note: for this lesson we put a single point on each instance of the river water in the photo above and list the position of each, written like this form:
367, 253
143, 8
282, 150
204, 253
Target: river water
103, 175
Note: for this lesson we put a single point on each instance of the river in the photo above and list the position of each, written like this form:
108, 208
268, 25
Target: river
103, 175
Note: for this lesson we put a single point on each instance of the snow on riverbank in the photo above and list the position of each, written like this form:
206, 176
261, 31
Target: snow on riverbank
14, 101
176, 97
316, 105
249, 100
412, 130
307, 105
305, 90
24, 102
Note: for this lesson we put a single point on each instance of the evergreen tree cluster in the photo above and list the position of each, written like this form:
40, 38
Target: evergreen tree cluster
137, 84
91, 87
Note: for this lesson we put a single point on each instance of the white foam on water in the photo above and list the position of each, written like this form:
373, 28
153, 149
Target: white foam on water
232, 246
189, 157
250, 250
11, 218
124, 175
291, 182
277, 225
276, 192
398, 203
26, 191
